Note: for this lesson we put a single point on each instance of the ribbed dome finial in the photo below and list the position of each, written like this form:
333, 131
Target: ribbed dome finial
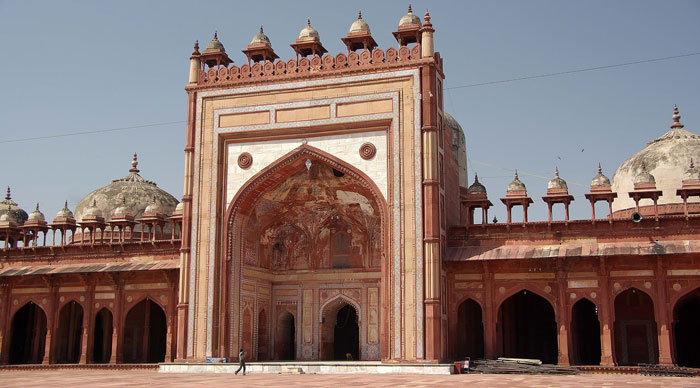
476, 175
600, 169
516, 173
556, 171
676, 118
37, 206
134, 164
409, 9
8, 196
359, 15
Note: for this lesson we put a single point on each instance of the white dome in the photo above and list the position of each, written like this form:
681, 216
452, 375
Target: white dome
666, 158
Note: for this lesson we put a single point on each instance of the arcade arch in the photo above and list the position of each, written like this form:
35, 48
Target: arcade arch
145, 332
470, 331
102, 337
340, 331
527, 328
285, 337
585, 333
28, 338
635, 329
69, 333
686, 333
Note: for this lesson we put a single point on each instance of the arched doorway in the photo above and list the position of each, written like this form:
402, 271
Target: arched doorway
69, 333
102, 343
340, 332
247, 331
585, 332
470, 331
635, 329
285, 337
686, 330
145, 332
28, 336
263, 339
527, 328
307, 211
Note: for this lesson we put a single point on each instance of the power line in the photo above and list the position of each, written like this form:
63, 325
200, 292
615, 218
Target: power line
89, 132
573, 71
450, 88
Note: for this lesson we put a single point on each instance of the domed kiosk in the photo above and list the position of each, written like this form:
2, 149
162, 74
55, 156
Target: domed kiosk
129, 195
666, 159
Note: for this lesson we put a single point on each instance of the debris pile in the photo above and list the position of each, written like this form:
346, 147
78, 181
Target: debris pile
519, 366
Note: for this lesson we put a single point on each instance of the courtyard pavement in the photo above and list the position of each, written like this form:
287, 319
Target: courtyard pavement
148, 378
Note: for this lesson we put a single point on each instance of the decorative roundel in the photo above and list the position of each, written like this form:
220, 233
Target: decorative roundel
367, 151
245, 160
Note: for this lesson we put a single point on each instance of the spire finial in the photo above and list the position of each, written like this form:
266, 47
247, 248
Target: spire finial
196, 48
308, 22
261, 30
676, 118
476, 174
516, 174
216, 35
600, 170
409, 9
65, 205
94, 203
644, 166
427, 16
359, 15
134, 163
37, 206
8, 196
691, 163
556, 171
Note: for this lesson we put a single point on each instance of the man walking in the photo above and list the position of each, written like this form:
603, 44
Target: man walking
242, 361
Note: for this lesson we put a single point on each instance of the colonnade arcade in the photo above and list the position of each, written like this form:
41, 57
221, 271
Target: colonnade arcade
116, 322
305, 248
628, 328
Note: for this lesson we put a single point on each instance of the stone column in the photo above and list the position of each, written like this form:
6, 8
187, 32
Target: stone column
605, 316
86, 345
489, 315
5, 322
563, 321
662, 311
117, 324
51, 322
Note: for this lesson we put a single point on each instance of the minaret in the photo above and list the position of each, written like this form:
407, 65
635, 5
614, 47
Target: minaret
427, 47
195, 64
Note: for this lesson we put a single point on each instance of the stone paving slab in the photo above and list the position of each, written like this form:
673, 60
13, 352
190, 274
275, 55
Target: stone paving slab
141, 378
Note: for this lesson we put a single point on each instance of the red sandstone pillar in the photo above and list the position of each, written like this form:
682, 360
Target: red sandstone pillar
662, 310
51, 321
88, 328
605, 317
563, 321
5, 323
489, 315
118, 326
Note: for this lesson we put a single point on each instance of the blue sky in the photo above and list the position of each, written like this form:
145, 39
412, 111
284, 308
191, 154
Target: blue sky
73, 66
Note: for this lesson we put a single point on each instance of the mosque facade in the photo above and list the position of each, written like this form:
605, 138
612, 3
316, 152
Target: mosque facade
327, 215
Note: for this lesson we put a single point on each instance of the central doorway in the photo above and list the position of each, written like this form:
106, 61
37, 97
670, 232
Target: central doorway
340, 333
527, 328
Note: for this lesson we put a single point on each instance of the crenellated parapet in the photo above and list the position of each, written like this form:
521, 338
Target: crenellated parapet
340, 64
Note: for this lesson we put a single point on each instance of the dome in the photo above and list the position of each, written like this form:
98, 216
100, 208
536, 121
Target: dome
36, 215
178, 209
476, 187
93, 211
260, 38
153, 207
309, 32
8, 206
122, 210
665, 159
692, 173
516, 184
6, 217
600, 179
557, 183
409, 19
644, 177
65, 212
459, 148
139, 191
359, 25
215, 44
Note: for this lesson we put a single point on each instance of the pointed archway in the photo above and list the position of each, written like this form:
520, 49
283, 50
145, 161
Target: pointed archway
635, 329
69, 333
339, 331
527, 328
285, 337
470, 331
307, 211
28, 335
102, 337
686, 329
145, 333
585, 332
